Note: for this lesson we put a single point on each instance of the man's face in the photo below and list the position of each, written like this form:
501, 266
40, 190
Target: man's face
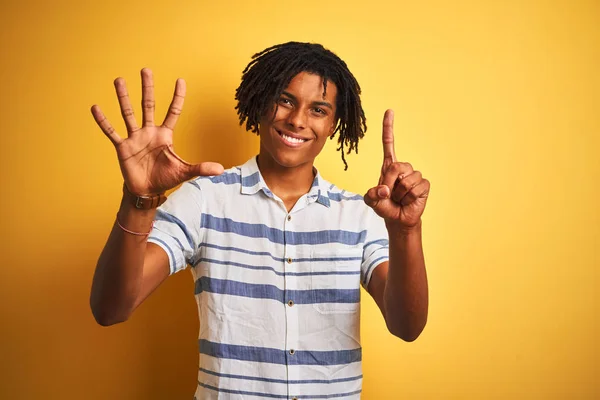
303, 121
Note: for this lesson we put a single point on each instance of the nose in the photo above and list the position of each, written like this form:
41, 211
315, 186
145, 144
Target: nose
297, 118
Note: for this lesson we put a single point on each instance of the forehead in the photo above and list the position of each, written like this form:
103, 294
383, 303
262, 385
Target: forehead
309, 87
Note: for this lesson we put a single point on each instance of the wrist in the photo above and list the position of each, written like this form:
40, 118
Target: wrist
143, 201
133, 219
399, 229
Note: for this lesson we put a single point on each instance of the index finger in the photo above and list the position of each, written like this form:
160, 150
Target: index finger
389, 154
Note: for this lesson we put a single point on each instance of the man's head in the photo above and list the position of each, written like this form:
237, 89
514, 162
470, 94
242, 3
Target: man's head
264, 102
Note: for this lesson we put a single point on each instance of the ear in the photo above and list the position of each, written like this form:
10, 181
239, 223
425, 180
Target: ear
333, 126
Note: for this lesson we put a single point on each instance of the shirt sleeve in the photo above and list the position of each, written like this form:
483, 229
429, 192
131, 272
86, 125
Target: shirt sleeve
177, 226
376, 248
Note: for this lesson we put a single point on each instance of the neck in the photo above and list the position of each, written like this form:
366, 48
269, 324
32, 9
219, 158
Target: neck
288, 183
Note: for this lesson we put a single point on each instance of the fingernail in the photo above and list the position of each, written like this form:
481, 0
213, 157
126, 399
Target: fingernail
381, 192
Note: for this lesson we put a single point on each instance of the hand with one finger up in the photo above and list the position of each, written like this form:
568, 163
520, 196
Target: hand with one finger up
401, 195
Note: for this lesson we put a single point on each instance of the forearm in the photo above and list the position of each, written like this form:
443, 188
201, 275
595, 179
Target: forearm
119, 271
406, 289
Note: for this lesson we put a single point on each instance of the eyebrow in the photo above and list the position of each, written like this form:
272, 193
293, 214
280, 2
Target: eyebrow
314, 103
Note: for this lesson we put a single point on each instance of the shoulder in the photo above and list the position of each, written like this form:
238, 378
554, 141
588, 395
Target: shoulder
342, 197
348, 203
231, 176
203, 189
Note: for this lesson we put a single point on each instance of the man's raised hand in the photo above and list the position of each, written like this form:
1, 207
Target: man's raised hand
401, 195
146, 157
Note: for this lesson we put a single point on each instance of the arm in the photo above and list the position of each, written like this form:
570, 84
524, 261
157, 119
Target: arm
399, 286
130, 268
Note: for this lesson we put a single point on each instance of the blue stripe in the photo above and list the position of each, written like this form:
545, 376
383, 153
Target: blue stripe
381, 242
323, 200
249, 181
164, 216
265, 268
340, 197
371, 266
232, 178
226, 225
291, 382
278, 259
228, 178
196, 184
276, 396
329, 396
258, 291
244, 392
277, 356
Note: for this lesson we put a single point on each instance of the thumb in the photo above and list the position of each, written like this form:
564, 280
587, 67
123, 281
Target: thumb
204, 169
375, 194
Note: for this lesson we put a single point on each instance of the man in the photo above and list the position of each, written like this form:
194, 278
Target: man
278, 254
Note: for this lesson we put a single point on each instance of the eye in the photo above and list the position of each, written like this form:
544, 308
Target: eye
285, 102
319, 110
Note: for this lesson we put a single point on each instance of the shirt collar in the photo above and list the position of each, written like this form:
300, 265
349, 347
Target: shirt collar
253, 182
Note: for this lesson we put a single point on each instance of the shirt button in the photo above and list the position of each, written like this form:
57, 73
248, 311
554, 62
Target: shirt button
291, 303
289, 218
292, 351
289, 260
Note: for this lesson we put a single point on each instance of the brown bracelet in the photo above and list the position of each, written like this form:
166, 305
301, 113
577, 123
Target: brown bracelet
144, 202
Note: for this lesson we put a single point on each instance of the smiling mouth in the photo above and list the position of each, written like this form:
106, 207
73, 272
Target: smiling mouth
291, 140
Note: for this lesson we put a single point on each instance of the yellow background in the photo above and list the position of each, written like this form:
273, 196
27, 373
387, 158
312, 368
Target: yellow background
497, 103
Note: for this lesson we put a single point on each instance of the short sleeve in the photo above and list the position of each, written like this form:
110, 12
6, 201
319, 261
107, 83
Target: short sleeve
177, 226
376, 247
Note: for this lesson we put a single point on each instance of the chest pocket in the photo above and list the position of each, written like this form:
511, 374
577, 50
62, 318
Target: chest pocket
335, 280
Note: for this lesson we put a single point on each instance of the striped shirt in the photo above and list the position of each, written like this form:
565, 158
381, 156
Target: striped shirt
278, 293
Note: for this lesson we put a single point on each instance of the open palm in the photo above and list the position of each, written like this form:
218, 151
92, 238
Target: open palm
148, 162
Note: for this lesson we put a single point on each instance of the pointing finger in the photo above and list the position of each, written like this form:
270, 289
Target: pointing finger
125, 104
389, 154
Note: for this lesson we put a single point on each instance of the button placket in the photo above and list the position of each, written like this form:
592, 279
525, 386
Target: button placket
291, 285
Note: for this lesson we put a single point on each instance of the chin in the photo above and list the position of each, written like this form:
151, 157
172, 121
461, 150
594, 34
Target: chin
287, 160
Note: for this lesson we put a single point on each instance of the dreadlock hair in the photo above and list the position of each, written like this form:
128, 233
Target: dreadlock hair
270, 72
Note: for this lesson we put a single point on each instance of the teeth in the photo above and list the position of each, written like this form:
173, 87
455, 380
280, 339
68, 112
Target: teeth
291, 139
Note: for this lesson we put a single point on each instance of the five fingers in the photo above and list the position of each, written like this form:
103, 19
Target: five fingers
148, 107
